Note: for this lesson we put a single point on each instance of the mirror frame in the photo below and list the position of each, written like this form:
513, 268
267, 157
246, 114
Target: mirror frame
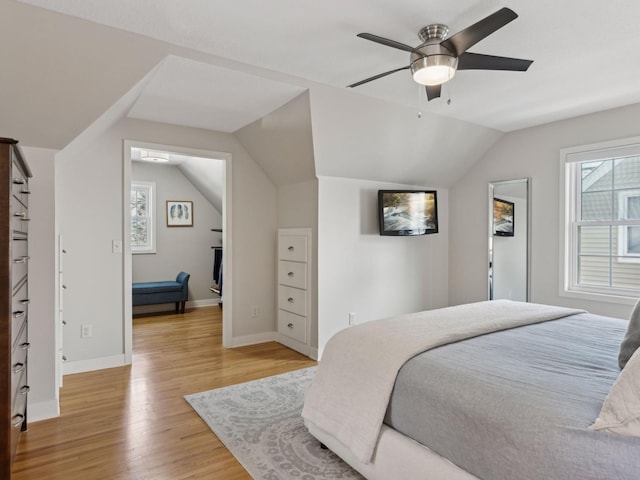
492, 185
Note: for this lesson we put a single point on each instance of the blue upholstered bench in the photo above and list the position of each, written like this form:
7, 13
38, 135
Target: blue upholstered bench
149, 293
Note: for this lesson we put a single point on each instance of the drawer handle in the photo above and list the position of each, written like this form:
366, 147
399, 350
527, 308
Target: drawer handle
22, 259
25, 346
64, 322
25, 389
20, 214
18, 367
290, 325
17, 420
64, 287
18, 314
19, 181
291, 249
290, 299
26, 192
290, 274
25, 301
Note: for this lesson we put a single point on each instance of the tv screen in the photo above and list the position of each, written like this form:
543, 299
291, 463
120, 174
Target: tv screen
503, 218
407, 212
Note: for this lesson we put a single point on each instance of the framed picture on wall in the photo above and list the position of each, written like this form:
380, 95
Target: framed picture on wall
503, 218
179, 213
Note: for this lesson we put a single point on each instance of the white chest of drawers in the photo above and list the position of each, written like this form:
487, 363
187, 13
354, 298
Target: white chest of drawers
294, 288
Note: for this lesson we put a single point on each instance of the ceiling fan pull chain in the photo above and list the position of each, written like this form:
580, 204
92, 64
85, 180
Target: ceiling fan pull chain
419, 101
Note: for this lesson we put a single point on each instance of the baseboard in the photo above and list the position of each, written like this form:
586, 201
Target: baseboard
253, 339
209, 302
309, 351
43, 410
81, 366
170, 307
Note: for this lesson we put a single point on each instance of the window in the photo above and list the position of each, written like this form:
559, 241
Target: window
143, 238
602, 219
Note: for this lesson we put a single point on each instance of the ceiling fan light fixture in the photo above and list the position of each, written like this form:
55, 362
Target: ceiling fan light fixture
434, 69
156, 157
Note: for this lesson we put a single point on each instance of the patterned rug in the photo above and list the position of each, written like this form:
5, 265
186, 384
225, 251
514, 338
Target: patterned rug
260, 423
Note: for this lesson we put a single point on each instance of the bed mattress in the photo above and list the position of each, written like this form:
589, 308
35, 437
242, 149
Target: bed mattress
517, 404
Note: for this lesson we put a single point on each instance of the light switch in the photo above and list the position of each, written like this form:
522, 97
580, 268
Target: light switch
116, 246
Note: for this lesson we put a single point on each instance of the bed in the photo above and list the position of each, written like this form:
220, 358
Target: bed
496, 390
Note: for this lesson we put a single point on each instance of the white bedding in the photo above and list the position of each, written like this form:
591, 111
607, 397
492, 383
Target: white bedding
350, 391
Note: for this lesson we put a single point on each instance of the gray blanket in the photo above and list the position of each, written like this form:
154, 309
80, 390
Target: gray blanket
517, 404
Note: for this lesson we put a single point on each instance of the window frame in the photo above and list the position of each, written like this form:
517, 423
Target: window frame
570, 204
150, 248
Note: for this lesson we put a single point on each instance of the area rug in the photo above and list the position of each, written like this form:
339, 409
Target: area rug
260, 423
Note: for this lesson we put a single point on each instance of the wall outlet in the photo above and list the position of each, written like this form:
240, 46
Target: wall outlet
352, 318
86, 331
255, 312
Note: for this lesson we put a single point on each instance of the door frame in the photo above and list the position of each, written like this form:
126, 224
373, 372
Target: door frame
227, 324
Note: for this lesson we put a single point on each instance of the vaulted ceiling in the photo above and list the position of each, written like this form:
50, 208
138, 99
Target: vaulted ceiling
583, 50
224, 65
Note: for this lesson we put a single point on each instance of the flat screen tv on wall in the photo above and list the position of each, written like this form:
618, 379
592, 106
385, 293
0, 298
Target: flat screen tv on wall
503, 218
407, 212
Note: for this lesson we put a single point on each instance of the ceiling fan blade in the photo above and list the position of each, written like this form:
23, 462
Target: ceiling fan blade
433, 91
389, 43
477, 61
465, 39
375, 77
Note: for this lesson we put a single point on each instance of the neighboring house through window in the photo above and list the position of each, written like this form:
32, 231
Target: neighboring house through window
142, 203
602, 219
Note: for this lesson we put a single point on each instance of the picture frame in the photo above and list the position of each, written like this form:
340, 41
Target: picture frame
503, 218
179, 213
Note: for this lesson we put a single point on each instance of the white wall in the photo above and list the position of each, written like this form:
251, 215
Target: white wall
185, 249
374, 276
89, 190
533, 153
42, 279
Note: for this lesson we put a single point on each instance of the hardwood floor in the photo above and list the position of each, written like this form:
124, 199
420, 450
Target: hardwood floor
133, 422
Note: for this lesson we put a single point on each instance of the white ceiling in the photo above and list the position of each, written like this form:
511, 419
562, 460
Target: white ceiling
584, 52
180, 92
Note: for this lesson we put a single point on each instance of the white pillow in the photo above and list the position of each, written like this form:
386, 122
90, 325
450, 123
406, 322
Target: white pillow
631, 341
621, 408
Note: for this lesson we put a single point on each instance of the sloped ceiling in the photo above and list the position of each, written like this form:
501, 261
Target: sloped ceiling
583, 50
222, 66
282, 142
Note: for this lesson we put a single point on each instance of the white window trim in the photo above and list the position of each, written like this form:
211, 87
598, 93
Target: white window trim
135, 250
567, 237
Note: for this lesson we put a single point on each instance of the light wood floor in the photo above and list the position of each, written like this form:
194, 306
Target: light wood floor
133, 422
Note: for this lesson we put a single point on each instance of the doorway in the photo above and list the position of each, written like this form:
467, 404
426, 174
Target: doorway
197, 170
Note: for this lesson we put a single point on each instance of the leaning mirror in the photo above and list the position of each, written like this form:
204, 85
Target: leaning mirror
509, 231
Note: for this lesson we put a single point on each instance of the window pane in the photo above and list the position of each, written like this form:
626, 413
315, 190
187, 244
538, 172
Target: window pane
627, 173
625, 274
633, 207
596, 176
594, 240
593, 271
139, 236
597, 205
142, 221
633, 240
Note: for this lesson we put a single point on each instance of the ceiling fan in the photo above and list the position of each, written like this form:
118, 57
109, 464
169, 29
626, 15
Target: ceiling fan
437, 58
